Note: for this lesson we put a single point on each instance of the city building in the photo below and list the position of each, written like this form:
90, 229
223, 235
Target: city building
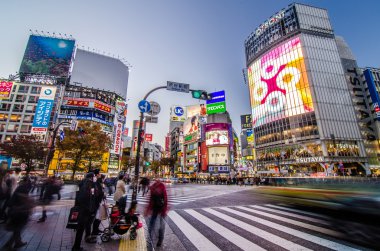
303, 117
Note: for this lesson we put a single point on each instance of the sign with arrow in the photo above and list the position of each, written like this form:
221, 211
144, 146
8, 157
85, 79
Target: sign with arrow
144, 106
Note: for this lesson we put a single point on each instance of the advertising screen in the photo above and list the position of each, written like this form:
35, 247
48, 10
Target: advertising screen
217, 138
197, 110
47, 55
218, 156
191, 125
278, 84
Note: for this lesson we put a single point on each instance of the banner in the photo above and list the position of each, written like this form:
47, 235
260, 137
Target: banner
43, 111
5, 89
119, 121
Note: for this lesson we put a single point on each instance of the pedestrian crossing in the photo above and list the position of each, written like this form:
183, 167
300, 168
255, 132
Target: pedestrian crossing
255, 227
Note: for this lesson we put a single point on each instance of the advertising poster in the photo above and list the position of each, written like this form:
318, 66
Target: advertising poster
373, 92
217, 104
148, 137
246, 121
191, 125
119, 121
218, 156
217, 137
216, 126
278, 84
43, 111
250, 138
178, 113
197, 110
204, 161
47, 55
5, 89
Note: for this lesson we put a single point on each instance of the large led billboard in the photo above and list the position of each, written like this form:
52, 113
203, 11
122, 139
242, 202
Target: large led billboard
217, 137
278, 84
47, 55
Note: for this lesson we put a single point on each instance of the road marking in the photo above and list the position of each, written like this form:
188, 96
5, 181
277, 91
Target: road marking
288, 230
290, 220
257, 231
236, 239
195, 237
298, 211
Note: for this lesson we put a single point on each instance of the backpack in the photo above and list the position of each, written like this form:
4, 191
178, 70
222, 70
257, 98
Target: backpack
158, 201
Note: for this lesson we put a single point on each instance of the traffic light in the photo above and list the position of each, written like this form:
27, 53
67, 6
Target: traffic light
147, 163
200, 94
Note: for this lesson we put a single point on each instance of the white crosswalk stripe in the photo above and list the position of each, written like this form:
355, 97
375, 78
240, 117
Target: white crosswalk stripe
256, 221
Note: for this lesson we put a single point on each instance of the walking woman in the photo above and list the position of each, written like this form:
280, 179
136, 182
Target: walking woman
120, 189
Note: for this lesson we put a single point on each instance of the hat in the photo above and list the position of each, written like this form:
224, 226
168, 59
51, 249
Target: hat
90, 175
96, 171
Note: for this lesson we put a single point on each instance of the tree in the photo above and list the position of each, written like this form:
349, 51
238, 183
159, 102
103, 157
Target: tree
88, 143
127, 162
28, 148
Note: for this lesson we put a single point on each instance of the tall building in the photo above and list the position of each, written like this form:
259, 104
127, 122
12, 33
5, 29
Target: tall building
303, 116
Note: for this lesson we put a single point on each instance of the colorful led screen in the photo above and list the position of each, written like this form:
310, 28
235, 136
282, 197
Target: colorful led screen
47, 55
278, 84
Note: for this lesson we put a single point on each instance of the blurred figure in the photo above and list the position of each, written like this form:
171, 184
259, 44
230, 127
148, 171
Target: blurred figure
86, 202
144, 184
58, 184
46, 196
120, 189
9, 185
19, 208
99, 197
157, 208
109, 184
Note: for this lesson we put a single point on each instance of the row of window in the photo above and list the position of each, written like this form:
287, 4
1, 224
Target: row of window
15, 128
5, 107
22, 98
16, 118
25, 89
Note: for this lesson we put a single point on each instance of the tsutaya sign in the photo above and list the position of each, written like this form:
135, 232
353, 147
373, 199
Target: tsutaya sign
274, 19
309, 159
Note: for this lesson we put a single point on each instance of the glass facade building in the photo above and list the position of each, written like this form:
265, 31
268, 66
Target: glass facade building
303, 116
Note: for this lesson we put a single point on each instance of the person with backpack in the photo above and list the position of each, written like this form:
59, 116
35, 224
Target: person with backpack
158, 209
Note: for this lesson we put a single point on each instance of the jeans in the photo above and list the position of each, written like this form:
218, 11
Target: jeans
152, 224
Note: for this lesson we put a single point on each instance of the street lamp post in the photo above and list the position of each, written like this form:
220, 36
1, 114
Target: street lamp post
50, 154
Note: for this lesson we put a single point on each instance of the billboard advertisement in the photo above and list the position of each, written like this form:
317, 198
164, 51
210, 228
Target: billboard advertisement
250, 137
218, 156
47, 55
373, 92
119, 121
217, 126
43, 111
95, 70
217, 137
148, 137
76, 102
278, 84
5, 89
217, 104
246, 121
197, 110
178, 113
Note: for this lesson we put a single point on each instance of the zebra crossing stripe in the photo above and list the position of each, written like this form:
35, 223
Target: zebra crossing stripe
257, 231
195, 237
293, 215
315, 239
298, 211
236, 239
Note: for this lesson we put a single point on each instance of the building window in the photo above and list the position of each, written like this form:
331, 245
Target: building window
23, 89
15, 118
14, 88
5, 107
20, 98
12, 128
25, 129
28, 118
30, 108
35, 90
18, 108
2, 127
33, 99
3, 117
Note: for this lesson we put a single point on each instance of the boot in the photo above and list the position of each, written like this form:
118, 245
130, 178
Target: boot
95, 227
43, 218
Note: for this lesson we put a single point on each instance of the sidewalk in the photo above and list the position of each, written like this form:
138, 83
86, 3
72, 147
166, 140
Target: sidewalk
53, 235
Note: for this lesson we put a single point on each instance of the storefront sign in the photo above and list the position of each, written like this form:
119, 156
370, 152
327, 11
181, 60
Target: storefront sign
309, 160
148, 137
5, 89
274, 19
80, 103
102, 106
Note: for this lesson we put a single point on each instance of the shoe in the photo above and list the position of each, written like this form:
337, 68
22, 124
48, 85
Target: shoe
159, 243
21, 244
41, 220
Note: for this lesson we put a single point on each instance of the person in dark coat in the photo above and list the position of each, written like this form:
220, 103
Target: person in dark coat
46, 196
157, 208
19, 208
86, 202
99, 197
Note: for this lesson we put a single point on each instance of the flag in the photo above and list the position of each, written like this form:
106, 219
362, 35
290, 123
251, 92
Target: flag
61, 135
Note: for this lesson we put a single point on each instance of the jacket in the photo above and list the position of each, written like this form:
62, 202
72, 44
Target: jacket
120, 190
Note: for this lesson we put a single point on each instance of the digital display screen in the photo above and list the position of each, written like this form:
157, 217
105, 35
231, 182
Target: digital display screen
47, 55
278, 84
217, 138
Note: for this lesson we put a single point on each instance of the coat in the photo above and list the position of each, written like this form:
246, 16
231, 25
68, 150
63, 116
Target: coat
158, 203
120, 190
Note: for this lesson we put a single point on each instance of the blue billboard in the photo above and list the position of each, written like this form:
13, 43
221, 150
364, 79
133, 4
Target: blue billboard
47, 55
373, 92
43, 112
217, 97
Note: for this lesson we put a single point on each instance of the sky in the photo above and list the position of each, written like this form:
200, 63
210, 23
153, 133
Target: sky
199, 42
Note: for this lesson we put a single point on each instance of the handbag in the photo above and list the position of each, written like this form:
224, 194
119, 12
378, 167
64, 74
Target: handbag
72, 222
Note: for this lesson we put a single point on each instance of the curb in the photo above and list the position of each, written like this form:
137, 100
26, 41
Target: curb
139, 243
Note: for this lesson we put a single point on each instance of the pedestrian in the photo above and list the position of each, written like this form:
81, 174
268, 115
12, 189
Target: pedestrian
157, 208
5, 194
120, 189
86, 202
58, 184
46, 196
19, 208
99, 198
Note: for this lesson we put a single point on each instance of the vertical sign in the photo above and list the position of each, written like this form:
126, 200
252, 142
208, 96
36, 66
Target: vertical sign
119, 120
5, 89
43, 110
246, 121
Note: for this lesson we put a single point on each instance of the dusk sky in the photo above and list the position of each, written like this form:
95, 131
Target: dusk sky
199, 42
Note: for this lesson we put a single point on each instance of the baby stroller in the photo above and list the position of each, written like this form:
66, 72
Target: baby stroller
120, 222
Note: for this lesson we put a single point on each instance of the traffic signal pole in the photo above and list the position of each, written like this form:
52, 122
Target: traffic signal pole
139, 141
